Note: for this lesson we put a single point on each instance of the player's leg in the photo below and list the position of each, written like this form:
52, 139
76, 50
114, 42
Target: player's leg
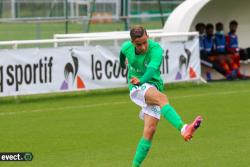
223, 62
154, 97
236, 62
150, 124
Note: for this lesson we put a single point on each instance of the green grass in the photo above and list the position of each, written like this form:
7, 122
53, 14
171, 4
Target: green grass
32, 31
102, 129
29, 31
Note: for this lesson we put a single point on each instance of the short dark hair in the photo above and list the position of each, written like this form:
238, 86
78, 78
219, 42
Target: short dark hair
209, 25
233, 22
219, 25
199, 25
137, 31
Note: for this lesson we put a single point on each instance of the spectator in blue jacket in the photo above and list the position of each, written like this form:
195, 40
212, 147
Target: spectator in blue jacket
220, 39
236, 54
233, 44
208, 42
222, 57
208, 57
200, 27
232, 38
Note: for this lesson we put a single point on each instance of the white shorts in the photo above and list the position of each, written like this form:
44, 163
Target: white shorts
137, 95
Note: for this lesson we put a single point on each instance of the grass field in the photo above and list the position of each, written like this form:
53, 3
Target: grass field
30, 31
102, 129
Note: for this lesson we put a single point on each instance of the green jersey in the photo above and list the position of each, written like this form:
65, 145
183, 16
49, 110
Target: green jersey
138, 64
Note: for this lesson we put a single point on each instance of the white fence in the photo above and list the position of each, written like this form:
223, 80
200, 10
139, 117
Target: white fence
86, 38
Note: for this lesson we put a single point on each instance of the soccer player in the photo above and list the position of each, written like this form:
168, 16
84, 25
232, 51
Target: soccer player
144, 58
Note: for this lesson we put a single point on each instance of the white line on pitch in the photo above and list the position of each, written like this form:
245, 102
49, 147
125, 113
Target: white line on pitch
63, 108
212, 94
116, 103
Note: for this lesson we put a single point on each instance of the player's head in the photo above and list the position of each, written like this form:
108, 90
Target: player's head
200, 27
209, 29
139, 38
219, 26
233, 26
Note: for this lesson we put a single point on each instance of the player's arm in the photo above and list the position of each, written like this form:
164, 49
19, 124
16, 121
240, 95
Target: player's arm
148, 75
122, 60
152, 68
154, 64
228, 48
145, 78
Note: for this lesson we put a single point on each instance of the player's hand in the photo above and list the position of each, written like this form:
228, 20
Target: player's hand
135, 81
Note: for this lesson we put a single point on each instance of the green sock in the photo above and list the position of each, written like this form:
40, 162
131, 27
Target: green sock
172, 116
141, 152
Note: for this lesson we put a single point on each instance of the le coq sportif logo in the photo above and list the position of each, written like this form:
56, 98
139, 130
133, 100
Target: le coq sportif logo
72, 79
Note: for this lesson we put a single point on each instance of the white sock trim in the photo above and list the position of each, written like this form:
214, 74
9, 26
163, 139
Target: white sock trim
183, 128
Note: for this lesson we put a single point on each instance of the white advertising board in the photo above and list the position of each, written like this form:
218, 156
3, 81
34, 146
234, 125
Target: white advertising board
32, 70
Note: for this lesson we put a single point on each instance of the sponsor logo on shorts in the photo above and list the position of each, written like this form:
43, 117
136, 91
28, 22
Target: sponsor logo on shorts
155, 110
143, 87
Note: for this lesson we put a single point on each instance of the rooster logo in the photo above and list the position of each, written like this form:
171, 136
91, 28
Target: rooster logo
70, 72
184, 61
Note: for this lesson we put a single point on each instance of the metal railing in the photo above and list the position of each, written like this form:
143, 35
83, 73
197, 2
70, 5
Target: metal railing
94, 37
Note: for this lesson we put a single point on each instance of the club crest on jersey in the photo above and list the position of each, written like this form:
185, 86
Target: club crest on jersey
135, 69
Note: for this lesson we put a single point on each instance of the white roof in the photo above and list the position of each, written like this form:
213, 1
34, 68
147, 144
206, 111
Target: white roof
182, 17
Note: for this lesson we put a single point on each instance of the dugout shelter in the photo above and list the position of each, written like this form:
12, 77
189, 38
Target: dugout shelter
189, 13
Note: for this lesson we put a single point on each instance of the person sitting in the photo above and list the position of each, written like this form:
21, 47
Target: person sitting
222, 57
233, 48
220, 39
208, 56
200, 27
232, 43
